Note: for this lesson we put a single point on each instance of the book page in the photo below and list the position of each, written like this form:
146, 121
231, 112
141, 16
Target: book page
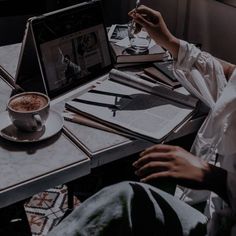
131, 110
149, 87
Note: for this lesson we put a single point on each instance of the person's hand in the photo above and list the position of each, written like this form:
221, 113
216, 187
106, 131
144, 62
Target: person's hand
153, 22
172, 162
155, 25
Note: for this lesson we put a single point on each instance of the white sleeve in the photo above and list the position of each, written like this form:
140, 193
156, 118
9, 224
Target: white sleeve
200, 73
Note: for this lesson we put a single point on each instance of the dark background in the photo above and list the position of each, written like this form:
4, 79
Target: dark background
205, 22
14, 14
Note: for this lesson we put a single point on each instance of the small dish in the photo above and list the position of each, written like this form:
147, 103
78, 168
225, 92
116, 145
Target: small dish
8, 131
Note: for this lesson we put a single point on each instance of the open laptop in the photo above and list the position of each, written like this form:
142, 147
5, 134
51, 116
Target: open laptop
62, 52
64, 49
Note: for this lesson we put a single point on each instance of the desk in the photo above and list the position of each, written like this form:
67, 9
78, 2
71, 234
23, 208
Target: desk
31, 168
27, 169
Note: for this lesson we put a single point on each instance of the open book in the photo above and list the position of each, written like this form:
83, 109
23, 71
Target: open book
135, 106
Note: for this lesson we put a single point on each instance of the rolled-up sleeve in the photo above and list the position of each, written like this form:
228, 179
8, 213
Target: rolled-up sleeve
200, 73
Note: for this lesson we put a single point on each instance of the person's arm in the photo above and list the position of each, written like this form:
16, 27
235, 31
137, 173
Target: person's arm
155, 25
177, 164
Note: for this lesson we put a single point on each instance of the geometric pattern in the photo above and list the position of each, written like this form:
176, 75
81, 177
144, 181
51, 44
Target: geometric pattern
44, 210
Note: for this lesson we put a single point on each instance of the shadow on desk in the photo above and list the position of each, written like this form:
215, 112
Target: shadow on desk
28, 147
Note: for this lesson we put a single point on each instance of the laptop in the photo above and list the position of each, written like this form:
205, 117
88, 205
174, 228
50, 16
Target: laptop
64, 49
62, 53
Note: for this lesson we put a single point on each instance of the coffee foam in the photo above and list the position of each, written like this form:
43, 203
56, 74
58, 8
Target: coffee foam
29, 102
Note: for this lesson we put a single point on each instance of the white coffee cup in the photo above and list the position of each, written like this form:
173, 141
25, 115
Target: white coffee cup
29, 111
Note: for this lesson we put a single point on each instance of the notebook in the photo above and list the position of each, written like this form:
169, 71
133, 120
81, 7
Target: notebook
64, 49
140, 108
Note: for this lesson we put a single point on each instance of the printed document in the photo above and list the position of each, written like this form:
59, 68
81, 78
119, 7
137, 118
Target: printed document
132, 110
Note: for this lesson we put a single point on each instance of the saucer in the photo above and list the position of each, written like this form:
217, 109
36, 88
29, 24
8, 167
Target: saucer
8, 131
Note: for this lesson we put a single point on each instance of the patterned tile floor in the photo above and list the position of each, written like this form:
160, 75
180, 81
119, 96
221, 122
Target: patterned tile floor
44, 210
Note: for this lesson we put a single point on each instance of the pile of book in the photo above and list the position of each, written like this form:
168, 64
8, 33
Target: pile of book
162, 72
158, 63
119, 41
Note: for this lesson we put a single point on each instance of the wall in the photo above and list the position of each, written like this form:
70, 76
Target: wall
12, 29
13, 17
116, 11
213, 24
13, 20
168, 9
208, 22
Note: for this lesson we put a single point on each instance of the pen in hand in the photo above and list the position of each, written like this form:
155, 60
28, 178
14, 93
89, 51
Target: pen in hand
134, 25
137, 5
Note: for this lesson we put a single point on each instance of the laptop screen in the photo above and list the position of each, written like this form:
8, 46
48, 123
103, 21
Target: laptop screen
72, 46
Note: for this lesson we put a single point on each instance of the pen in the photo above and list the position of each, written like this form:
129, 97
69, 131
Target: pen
135, 10
137, 5
83, 120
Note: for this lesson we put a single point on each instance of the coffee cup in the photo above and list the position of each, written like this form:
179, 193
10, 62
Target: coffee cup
29, 111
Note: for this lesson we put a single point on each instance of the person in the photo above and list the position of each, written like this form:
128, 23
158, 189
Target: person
72, 70
87, 50
137, 208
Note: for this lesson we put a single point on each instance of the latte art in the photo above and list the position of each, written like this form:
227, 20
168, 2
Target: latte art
29, 111
30, 102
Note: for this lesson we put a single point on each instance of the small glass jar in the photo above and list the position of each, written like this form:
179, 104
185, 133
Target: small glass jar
139, 38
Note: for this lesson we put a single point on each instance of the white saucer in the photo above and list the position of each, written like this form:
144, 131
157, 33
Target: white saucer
8, 131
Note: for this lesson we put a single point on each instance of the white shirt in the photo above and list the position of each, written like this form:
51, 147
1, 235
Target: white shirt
202, 75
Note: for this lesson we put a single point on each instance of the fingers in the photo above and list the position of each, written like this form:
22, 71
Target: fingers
155, 176
160, 152
143, 20
152, 156
157, 161
142, 9
138, 28
159, 148
153, 167
145, 16
132, 12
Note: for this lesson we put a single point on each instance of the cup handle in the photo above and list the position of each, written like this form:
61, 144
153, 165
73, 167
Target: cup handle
38, 122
